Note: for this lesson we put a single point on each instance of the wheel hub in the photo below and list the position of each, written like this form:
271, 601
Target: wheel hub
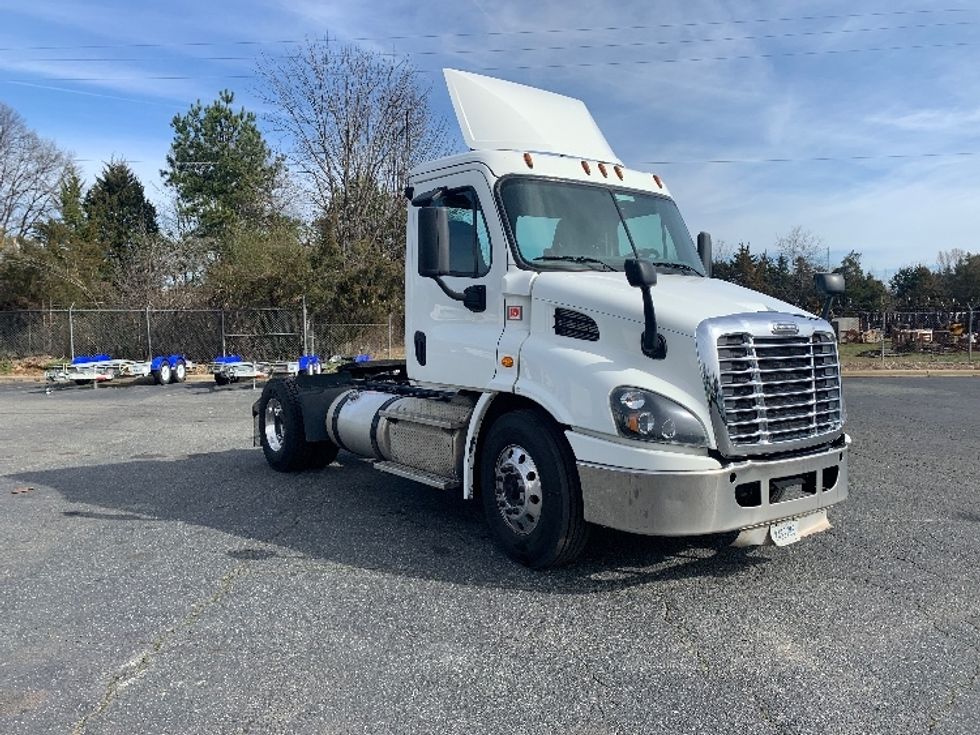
275, 432
517, 487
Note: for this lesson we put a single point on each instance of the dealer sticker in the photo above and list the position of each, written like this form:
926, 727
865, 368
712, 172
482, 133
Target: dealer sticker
785, 533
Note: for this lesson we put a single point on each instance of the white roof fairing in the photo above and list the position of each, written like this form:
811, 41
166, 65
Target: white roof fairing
494, 114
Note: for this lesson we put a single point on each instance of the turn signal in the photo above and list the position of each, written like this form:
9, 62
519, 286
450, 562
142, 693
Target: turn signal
507, 361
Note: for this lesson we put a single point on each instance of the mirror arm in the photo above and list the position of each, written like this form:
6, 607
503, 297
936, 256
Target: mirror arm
474, 298
828, 302
652, 344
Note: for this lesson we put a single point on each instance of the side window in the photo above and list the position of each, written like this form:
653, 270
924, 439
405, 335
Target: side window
469, 239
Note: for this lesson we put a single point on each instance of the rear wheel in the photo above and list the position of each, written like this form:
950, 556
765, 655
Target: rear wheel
179, 374
220, 379
282, 434
531, 494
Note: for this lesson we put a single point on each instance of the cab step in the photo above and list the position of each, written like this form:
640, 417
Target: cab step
411, 473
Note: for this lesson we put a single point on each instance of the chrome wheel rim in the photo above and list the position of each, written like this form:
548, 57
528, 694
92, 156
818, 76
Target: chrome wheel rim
165, 372
517, 486
275, 432
181, 370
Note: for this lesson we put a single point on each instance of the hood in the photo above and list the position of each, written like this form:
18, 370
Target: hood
681, 302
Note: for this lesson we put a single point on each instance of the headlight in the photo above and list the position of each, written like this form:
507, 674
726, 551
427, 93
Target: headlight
643, 415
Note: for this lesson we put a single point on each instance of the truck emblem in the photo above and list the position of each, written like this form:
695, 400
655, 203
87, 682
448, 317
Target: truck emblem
781, 328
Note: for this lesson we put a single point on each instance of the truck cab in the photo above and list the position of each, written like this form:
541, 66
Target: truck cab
569, 359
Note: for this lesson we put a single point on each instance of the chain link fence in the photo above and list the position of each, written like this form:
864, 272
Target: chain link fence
199, 334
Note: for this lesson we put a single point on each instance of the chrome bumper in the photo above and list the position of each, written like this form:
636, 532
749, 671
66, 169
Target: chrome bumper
738, 496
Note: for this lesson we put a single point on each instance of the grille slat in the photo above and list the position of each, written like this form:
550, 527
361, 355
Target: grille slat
779, 389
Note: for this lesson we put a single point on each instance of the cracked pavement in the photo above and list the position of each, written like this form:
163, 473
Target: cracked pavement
159, 578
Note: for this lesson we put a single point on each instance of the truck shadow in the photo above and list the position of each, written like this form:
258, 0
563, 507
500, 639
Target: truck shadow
353, 515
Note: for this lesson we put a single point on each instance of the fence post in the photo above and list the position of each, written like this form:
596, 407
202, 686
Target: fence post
389, 335
149, 344
884, 321
306, 334
969, 338
71, 332
224, 350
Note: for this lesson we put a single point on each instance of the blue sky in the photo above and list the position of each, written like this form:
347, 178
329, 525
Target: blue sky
874, 86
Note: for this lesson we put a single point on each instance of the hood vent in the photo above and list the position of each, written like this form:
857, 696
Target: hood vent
576, 325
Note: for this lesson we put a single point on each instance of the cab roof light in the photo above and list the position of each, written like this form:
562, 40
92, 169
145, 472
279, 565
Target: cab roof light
528, 160
619, 171
660, 183
602, 170
586, 167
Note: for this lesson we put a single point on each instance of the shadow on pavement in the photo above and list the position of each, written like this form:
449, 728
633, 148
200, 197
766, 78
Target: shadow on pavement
353, 515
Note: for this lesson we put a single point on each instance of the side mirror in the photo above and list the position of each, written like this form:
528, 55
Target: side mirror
433, 241
704, 252
828, 285
640, 273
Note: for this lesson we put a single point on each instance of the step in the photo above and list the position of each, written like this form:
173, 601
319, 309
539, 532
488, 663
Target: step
411, 473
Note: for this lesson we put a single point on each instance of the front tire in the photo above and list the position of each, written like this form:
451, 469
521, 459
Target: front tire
531, 493
161, 376
282, 434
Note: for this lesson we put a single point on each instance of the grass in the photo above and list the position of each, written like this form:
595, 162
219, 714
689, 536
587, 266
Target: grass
868, 357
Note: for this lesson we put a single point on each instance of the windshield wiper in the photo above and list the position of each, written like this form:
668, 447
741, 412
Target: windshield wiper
682, 266
576, 259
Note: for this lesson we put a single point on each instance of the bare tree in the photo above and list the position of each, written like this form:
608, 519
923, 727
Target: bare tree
30, 174
799, 244
355, 123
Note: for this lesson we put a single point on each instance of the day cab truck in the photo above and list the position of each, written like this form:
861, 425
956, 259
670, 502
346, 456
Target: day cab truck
569, 359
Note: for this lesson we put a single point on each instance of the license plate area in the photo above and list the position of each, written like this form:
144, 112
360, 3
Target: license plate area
785, 533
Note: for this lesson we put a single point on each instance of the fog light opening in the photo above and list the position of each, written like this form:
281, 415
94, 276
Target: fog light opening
749, 494
830, 475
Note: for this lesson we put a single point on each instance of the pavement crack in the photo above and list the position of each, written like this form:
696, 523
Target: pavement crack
686, 637
140, 663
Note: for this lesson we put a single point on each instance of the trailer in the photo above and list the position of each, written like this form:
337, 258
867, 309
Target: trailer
570, 361
233, 368
100, 368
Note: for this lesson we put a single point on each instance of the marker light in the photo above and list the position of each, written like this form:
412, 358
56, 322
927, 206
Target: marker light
528, 160
507, 361
585, 167
602, 170
660, 184
619, 171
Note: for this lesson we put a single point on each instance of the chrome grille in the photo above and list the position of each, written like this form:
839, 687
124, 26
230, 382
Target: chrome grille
776, 389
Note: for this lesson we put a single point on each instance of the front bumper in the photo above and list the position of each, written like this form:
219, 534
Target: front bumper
741, 495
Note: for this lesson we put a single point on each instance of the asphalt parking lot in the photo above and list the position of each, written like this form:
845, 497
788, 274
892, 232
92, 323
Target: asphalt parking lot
159, 578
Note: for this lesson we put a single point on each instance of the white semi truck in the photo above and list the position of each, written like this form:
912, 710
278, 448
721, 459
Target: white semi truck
569, 359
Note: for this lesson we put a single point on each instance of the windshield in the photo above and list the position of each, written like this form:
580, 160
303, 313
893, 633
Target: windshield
578, 226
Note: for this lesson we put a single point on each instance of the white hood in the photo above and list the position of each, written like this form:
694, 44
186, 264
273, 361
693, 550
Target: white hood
681, 302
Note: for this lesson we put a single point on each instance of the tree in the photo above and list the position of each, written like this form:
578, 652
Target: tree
221, 168
863, 291
356, 122
916, 287
801, 244
30, 169
117, 212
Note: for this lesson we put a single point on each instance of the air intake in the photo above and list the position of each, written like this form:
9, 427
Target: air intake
576, 325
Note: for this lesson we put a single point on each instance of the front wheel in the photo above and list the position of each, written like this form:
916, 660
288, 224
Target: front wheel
282, 434
530, 488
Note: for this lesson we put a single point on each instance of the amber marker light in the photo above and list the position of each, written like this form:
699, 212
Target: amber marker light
660, 184
585, 167
602, 170
507, 361
619, 171
528, 160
